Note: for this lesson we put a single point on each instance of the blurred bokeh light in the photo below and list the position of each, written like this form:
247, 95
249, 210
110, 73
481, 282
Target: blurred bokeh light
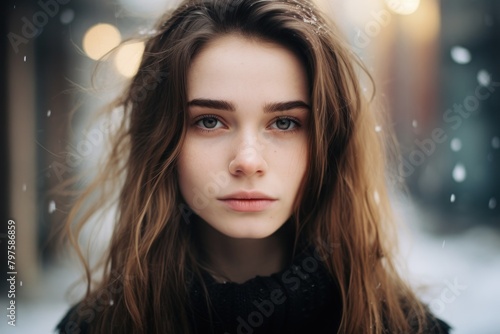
100, 39
128, 58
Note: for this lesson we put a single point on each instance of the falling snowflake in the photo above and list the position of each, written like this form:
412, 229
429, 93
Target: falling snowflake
459, 173
484, 78
52, 206
460, 55
456, 144
495, 142
67, 16
452, 198
492, 203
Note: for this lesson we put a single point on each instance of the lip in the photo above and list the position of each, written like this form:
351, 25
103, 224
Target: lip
247, 195
248, 201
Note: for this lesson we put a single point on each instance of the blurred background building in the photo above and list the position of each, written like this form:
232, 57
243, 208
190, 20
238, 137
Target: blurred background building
437, 70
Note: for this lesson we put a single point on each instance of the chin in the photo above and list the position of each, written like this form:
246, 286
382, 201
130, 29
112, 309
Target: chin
249, 235
248, 232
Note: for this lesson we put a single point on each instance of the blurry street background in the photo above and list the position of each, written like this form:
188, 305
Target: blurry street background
437, 72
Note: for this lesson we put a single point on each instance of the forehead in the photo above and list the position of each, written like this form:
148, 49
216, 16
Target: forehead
234, 64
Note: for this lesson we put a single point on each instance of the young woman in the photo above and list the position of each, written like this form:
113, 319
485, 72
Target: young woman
252, 186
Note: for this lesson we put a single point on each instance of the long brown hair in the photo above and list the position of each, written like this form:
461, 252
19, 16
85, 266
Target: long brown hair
343, 200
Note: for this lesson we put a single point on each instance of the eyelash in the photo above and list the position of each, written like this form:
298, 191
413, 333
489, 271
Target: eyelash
203, 117
296, 122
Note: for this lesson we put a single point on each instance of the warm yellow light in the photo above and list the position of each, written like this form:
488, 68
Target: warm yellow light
424, 25
100, 39
403, 7
128, 58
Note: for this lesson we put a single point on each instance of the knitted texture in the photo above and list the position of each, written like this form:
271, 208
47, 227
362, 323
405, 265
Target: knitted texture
302, 298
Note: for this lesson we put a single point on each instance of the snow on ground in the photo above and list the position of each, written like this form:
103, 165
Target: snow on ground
461, 271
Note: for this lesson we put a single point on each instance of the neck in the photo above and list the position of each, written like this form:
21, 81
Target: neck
238, 260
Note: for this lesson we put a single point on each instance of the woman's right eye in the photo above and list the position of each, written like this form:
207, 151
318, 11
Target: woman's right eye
209, 122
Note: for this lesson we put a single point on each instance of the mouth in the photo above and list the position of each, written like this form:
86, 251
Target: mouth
248, 201
248, 205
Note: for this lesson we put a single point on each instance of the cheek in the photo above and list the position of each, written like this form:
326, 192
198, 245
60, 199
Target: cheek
298, 166
292, 160
299, 169
186, 168
194, 164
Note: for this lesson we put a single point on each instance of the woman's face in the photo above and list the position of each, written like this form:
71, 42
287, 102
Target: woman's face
245, 152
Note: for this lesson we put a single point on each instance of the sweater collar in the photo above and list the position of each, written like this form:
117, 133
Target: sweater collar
302, 297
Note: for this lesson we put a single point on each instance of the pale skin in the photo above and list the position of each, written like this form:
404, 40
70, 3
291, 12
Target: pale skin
245, 153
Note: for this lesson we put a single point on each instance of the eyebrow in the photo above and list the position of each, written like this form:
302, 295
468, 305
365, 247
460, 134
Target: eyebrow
268, 107
212, 104
284, 106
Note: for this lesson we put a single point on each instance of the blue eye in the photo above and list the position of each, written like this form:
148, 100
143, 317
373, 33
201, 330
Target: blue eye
209, 122
285, 123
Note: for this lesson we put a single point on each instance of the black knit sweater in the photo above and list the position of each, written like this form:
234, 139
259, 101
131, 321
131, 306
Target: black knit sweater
300, 299
303, 298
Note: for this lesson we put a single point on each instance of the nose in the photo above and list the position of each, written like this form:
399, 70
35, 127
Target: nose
248, 159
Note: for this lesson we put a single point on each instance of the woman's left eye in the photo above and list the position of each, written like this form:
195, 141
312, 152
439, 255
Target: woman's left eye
285, 123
